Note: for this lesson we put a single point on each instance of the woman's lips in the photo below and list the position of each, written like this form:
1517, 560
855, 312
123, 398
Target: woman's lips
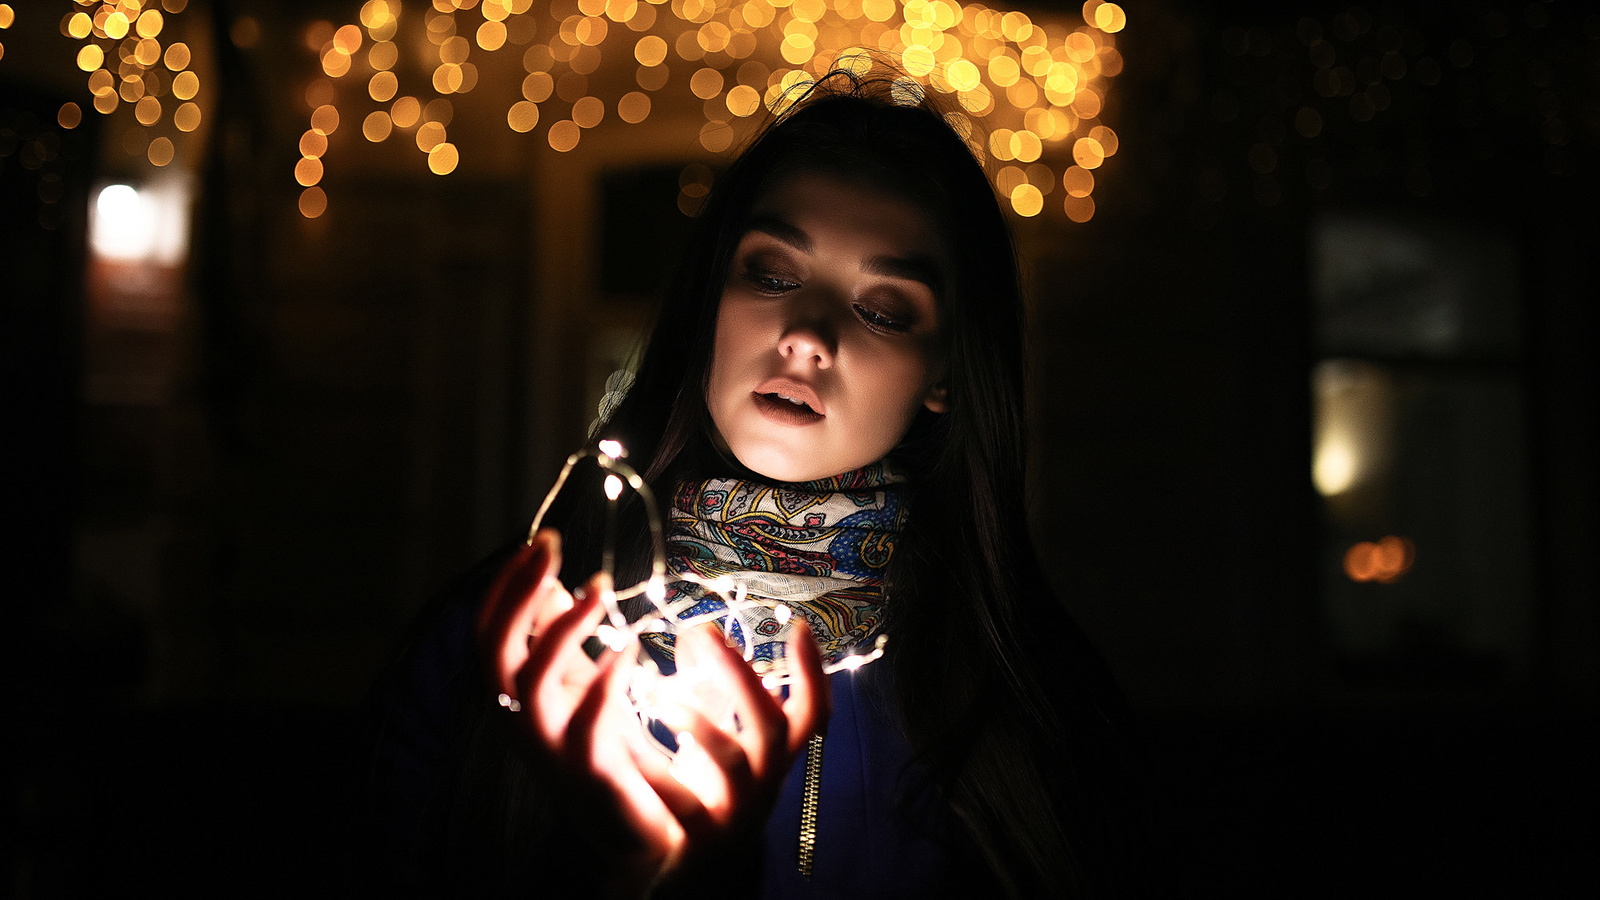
775, 407
788, 401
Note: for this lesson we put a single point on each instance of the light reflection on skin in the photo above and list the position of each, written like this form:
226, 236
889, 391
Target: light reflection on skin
831, 300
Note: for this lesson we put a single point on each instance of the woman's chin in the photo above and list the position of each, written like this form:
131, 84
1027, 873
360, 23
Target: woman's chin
774, 465
783, 472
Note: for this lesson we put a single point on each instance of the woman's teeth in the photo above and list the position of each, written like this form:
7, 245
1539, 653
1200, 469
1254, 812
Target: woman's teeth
790, 400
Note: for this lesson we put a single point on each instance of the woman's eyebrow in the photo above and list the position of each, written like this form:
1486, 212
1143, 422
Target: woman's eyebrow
913, 269
783, 231
918, 269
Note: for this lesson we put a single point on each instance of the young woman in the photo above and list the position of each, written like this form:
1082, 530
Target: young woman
842, 359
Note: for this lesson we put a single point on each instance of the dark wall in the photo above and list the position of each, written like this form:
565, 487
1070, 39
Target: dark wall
1176, 336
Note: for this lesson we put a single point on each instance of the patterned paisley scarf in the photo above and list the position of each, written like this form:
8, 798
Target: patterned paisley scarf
820, 548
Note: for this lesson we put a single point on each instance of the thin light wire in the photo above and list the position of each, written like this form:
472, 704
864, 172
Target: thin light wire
649, 688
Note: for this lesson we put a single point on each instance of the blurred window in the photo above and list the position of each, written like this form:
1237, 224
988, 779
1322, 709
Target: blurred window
1420, 453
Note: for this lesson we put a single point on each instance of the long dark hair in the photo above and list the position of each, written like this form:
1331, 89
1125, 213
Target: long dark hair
1002, 700
1005, 704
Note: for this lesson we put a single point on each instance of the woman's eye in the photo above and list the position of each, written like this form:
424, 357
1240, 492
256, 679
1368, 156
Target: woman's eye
881, 321
768, 283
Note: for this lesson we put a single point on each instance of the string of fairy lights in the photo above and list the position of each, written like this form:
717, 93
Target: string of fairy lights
1030, 94
651, 690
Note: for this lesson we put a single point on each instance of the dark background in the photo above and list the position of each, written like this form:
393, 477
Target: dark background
337, 414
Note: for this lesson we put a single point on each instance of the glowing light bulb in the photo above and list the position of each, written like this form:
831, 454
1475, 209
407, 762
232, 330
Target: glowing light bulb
614, 638
651, 691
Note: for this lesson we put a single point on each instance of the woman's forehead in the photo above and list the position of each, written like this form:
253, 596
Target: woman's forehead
806, 207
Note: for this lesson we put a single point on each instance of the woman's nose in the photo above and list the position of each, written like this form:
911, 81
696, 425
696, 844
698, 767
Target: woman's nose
808, 341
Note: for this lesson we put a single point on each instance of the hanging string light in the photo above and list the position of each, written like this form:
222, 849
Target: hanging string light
651, 689
129, 66
1031, 94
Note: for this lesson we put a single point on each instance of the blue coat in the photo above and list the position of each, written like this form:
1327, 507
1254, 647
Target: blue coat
877, 834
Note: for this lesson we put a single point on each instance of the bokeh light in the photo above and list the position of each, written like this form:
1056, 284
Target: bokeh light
1027, 200
442, 159
523, 116
406, 111
161, 151
1384, 561
313, 202
377, 126
1078, 209
429, 135
588, 112
131, 56
147, 111
325, 119
564, 135
1031, 90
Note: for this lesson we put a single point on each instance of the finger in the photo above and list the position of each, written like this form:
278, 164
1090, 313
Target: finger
602, 742
556, 665
763, 732
583, 727
809, 701
710, 763
679, 799
553, 600
508, 613
539, 558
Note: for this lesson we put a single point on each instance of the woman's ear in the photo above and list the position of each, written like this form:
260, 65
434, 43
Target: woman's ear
937, 399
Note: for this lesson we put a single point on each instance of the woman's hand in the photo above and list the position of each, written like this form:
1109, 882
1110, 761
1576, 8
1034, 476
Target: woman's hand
662, 819
724, 781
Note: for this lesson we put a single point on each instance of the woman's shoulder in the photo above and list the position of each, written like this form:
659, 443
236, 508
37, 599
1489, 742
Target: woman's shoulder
410, 722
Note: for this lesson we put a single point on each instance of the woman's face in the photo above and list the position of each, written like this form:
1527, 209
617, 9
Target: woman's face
828, 332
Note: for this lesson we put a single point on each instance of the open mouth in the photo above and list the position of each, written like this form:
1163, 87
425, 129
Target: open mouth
786, 408
792, 401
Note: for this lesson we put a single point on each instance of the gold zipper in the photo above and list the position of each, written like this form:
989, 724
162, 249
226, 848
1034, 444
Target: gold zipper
808, 804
